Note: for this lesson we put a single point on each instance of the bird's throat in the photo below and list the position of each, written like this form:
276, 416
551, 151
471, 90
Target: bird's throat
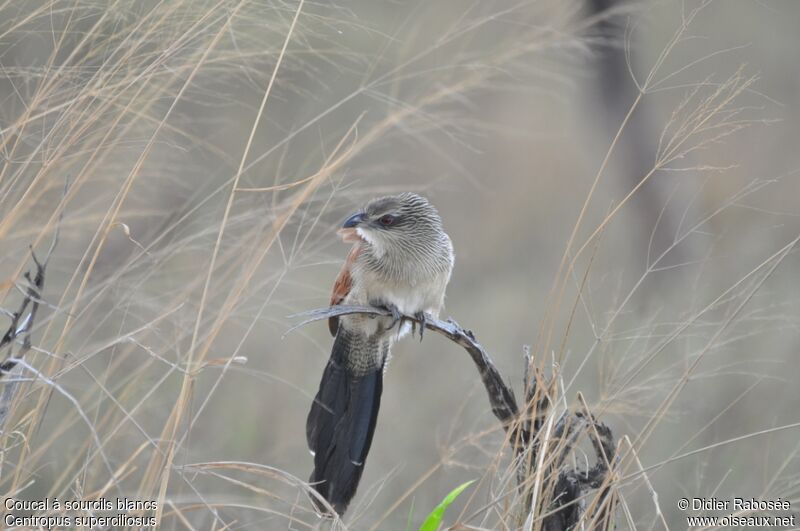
349, 235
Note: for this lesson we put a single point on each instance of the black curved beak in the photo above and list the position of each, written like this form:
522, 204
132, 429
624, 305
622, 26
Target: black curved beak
354, 221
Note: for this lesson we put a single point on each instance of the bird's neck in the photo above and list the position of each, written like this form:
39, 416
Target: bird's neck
410, 263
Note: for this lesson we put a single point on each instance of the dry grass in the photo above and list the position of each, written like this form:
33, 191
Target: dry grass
208, 148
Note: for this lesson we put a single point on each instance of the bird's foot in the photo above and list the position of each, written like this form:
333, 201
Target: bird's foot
422, 319
393, 310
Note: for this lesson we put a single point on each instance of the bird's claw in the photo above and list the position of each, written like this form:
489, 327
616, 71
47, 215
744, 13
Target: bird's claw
422, 319
396, 316
393, 311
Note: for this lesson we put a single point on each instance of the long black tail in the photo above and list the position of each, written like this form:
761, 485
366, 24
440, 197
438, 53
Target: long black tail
342, 421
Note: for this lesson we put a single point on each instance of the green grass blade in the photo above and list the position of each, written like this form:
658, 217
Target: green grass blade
437, 515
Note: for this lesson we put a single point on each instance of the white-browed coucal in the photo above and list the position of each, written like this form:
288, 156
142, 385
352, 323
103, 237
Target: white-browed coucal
401, 260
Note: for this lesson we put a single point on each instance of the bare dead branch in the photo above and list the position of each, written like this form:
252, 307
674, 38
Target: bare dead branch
566, 509
501, 397
22, 324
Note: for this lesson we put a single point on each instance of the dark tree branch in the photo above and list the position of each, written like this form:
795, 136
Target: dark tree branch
16, 329
22, 325
522, 429
501, 397
32, 295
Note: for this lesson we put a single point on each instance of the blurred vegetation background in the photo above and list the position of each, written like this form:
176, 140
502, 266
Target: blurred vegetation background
209, 150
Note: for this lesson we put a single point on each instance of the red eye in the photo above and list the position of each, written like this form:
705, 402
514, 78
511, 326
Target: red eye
387, 220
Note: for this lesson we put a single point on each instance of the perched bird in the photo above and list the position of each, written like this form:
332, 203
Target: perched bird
401, 260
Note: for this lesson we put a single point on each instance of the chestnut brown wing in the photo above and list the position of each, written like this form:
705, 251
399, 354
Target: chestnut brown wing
342, 286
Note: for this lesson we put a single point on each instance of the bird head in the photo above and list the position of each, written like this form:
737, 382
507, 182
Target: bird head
393, 223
